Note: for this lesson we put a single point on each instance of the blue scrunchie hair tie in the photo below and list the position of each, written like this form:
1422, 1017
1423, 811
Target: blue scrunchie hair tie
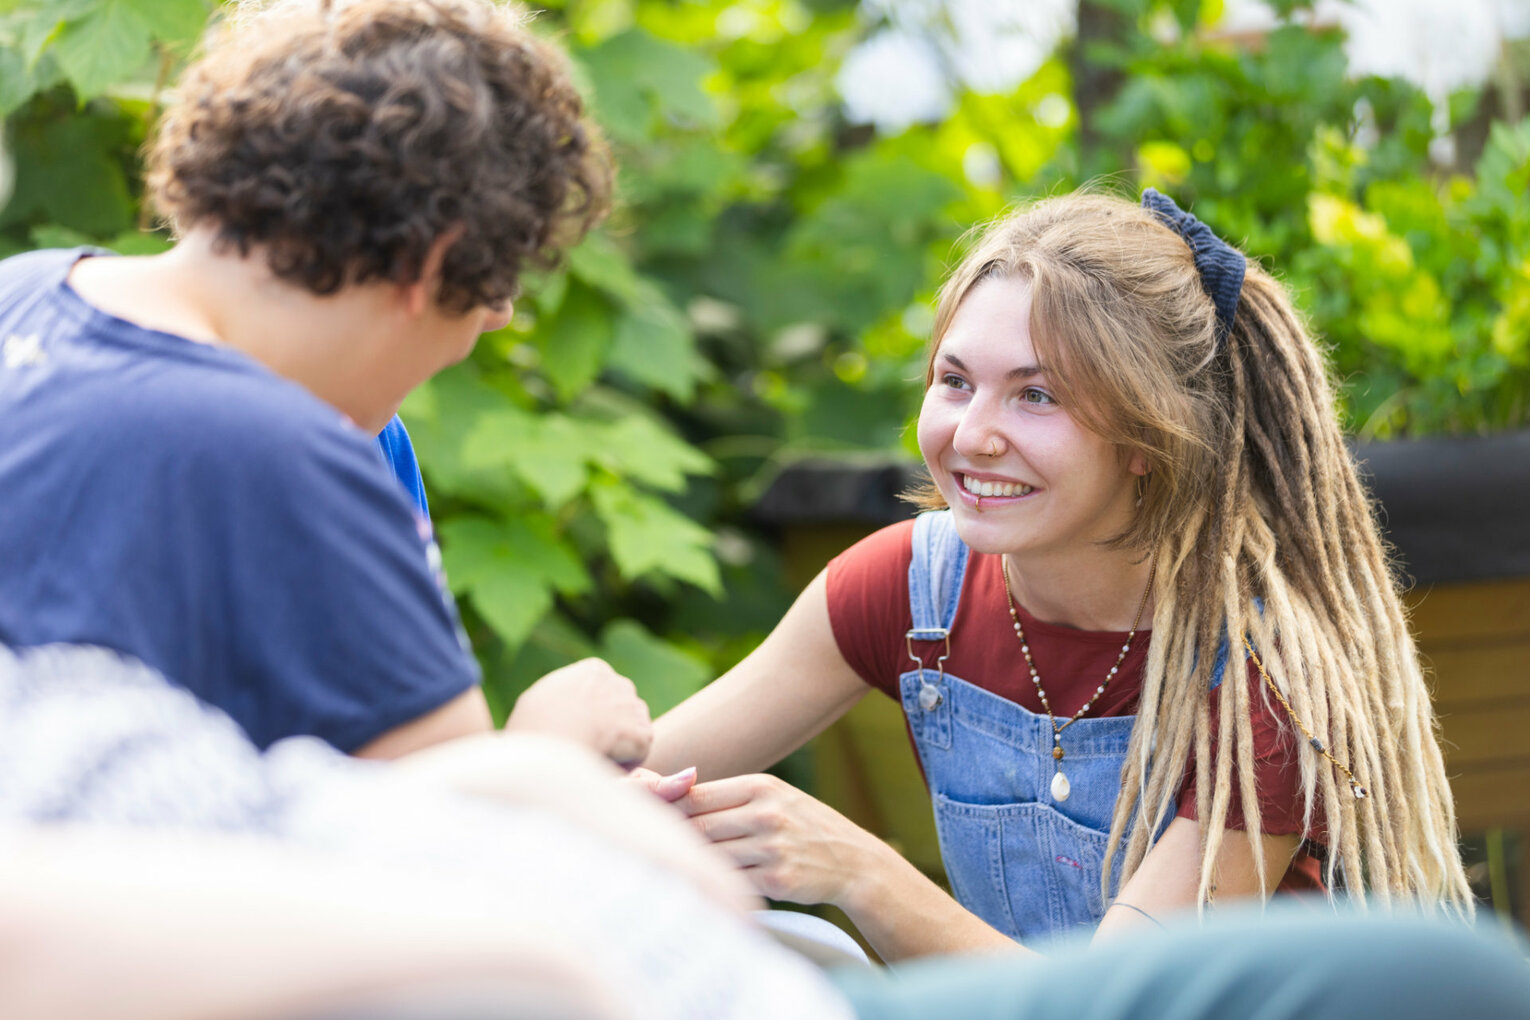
1220, 264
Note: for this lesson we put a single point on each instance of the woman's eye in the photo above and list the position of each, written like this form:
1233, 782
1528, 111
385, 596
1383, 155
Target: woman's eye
954, 381
1031, 395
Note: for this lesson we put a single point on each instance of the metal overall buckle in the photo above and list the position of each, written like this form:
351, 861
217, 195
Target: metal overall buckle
930, 695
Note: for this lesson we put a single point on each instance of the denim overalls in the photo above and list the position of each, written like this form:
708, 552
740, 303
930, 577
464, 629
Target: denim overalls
1028, 865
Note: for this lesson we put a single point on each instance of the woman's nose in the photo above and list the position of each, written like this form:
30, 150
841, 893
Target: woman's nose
977, 434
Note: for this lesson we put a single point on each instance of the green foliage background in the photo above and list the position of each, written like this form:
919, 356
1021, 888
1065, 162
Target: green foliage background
765, 287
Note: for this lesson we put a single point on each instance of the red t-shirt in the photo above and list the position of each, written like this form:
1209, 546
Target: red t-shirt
869, 612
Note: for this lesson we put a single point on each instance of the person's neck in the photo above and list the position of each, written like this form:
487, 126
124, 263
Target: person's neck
335, 346
1099, 590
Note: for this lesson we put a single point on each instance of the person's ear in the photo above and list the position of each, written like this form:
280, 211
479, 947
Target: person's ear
1138, 465
423, 290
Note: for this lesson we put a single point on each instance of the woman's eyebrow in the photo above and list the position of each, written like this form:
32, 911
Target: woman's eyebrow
1023, 372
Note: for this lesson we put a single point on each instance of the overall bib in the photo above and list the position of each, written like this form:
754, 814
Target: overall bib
1028, 865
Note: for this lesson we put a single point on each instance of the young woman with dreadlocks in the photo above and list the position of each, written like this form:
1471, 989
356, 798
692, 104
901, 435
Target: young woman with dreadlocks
1158, 658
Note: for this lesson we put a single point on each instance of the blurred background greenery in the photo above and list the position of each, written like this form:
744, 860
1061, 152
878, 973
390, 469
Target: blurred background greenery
764, 290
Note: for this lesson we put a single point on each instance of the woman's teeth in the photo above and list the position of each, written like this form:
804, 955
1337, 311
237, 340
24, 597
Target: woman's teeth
978, 488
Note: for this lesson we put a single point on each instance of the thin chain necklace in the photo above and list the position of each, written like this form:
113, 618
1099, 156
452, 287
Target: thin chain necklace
1060, 786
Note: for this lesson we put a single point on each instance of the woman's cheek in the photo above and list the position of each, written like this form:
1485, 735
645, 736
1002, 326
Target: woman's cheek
928, 430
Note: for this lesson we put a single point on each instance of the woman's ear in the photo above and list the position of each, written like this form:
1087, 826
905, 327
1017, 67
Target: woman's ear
1138, 464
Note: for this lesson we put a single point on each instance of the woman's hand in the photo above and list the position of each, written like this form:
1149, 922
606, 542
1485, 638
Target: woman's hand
591, 704
791, 846
667, 788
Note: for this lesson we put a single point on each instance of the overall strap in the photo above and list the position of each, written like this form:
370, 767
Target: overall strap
934, 588
935, 575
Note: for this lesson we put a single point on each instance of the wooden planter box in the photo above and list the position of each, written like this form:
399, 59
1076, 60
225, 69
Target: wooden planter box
1457, 512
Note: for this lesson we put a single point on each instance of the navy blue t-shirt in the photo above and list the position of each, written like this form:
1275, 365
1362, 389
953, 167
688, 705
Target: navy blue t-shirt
179, 502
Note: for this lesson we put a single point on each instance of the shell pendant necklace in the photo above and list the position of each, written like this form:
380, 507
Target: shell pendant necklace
1060, 785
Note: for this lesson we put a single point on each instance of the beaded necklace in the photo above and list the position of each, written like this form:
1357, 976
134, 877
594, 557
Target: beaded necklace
1060, 785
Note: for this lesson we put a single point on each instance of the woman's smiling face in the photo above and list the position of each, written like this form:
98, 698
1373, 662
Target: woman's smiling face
991, 427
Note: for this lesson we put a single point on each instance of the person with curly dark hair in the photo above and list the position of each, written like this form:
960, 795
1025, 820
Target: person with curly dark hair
346, 140
356, 187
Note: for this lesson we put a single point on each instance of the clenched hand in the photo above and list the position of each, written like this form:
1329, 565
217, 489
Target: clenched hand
591, 704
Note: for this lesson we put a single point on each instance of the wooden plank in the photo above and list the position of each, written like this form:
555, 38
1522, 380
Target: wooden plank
1499, 732
1489, 798
1468, 675
1452, 612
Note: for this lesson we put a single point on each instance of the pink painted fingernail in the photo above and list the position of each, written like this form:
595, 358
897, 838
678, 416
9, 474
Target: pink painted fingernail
676, 786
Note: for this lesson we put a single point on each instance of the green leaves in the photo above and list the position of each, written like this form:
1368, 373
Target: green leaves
647, 536
107, 44
554, 453
607, 316
102, 43
575, 340
640, 82
17, 81
175, 22
549, 452
669, 674
646, 452
605, 267
1429, 283
69, 172
511, 569
653, 346
528, 498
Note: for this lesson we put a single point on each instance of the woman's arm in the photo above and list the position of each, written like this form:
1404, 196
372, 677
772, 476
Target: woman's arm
1170, 874
785, 693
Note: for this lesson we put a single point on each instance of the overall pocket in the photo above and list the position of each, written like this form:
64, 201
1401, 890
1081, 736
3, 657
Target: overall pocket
1076, 863
1024, 868
972, 849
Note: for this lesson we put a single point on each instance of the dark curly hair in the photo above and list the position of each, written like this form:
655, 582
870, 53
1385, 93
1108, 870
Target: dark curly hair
343, 138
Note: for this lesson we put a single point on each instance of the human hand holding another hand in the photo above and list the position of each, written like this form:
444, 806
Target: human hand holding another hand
667, 788
591, 704
790, 845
